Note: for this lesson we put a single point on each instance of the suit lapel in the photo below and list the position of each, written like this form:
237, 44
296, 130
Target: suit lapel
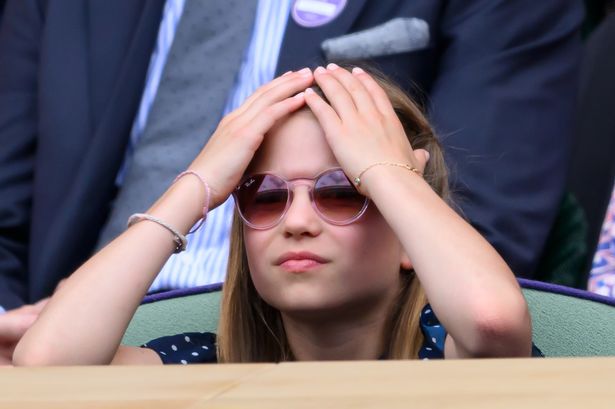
301, 45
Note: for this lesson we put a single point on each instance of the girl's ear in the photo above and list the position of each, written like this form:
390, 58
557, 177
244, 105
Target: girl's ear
405, 262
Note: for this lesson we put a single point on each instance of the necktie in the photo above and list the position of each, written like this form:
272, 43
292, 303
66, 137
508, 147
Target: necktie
200, 71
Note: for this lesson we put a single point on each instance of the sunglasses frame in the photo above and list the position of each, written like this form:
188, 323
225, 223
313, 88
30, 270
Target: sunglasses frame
290, 185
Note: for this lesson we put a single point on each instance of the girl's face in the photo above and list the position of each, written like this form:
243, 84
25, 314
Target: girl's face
358, 267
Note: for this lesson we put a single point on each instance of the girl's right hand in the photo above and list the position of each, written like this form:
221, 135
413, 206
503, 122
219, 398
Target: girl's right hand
230, 149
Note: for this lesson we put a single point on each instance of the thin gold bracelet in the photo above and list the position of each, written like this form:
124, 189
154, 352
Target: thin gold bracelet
357, 180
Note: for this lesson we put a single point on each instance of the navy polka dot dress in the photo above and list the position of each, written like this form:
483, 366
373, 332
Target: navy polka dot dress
186, 348
200, 347
433, 334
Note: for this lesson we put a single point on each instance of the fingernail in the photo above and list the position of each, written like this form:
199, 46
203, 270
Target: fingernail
286, 73
320, 70
299, 95
305, 71
357, 70
427, 156
332, 66
309, 91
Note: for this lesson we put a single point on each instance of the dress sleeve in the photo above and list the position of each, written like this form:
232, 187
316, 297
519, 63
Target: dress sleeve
185, 348
433, 333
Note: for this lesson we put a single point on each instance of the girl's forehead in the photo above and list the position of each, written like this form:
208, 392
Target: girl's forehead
295, 147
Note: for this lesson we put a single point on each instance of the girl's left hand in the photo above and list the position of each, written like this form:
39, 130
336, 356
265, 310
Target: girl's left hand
360, 123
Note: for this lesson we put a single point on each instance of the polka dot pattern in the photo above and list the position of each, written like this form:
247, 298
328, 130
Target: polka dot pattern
188, 348
433, 333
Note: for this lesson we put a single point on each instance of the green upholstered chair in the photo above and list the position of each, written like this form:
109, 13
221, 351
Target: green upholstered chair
173, 312
570, 322
566, 321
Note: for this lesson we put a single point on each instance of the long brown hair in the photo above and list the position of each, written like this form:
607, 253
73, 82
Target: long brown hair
250, 330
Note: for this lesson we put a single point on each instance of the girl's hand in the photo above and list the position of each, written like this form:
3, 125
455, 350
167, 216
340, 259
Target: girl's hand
360, 123
230, 149
13, 324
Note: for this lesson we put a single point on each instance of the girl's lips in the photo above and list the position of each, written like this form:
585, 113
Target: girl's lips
300, 261
299, 266
301, 255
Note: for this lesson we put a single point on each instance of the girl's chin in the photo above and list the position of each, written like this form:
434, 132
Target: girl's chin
301, 305
319, 309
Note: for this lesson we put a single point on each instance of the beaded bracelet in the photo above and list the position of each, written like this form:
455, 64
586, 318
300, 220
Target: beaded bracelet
207, 196
178, 238
357, 180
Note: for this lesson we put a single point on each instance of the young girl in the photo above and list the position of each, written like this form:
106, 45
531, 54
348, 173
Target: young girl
341, 238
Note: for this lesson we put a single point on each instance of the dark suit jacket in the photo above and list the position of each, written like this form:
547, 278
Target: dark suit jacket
499, 76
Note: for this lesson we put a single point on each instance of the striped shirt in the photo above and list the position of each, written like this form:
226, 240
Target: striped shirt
206, 257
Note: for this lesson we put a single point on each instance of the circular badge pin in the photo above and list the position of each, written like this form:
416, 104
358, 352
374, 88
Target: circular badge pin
315, 13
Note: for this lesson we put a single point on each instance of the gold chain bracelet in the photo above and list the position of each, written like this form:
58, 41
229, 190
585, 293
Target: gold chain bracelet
357, 180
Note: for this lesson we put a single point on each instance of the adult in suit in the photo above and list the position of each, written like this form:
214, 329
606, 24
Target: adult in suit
499, 77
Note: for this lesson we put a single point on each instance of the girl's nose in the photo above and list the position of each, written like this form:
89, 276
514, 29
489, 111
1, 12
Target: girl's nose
301, 218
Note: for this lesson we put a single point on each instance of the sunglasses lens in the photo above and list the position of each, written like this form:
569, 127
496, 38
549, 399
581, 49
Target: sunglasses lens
262, 199
336, 198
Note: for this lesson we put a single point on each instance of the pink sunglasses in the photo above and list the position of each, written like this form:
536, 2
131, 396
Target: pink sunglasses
263, 199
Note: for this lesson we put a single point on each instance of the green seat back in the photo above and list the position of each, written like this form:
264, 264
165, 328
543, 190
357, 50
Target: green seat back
563, 324
188, 313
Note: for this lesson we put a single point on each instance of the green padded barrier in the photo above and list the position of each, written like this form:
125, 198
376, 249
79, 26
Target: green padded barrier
563, 325
570, 326
192, 313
